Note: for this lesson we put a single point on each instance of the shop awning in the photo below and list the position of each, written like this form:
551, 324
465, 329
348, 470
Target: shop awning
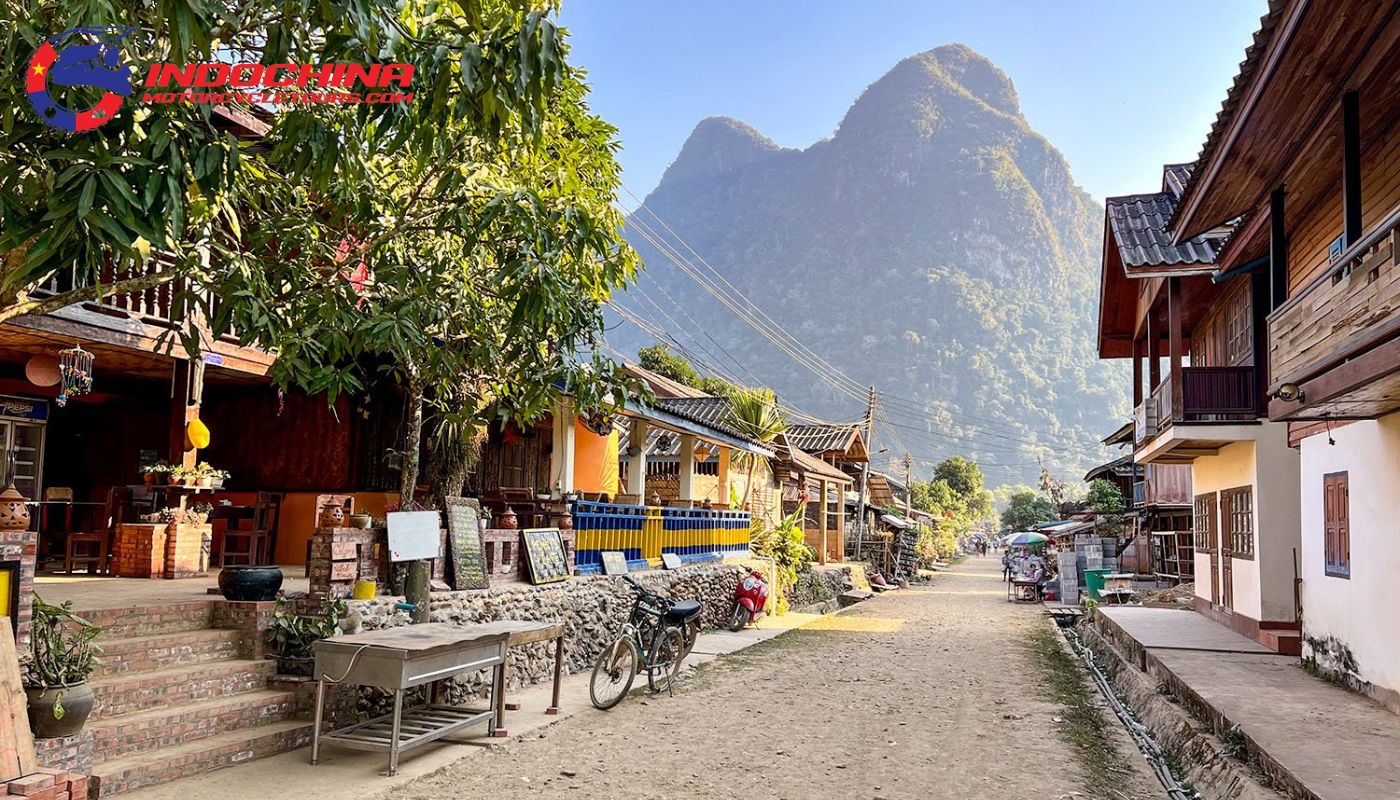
894, 521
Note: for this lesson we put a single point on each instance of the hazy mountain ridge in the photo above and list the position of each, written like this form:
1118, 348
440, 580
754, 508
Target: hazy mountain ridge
935, 246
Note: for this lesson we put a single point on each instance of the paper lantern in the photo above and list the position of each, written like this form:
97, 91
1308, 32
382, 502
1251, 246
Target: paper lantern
198, 434
43, 371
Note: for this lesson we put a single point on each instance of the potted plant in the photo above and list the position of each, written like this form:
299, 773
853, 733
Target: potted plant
218, 477
198, 513
63, 655
292, 636
204, 475
183, 475
157, 473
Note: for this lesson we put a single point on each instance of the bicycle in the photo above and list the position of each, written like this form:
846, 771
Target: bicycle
657, 636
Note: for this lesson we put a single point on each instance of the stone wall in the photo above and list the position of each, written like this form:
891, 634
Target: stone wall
592, 608
820, 584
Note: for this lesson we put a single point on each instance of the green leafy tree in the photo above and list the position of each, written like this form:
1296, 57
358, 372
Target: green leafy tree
1024, 510
756, 415
659, 359
1105, 499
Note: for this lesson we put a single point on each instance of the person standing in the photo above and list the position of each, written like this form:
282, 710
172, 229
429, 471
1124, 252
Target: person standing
1006, 566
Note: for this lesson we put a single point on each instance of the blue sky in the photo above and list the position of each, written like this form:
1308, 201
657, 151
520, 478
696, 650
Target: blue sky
1120, 87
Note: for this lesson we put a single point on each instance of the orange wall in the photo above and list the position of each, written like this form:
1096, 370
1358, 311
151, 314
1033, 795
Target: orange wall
595, 460
298, 520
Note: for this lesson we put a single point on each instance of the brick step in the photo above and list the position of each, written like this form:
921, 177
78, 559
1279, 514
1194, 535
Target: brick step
141, 691
193, 758
117, 623
1283, 642
164, 650
170, 725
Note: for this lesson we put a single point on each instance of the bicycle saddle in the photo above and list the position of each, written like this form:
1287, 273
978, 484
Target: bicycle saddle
683, 610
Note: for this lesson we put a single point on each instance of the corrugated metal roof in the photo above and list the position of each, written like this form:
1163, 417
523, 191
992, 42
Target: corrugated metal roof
821, 438
713, 412
811, 464
1139, 226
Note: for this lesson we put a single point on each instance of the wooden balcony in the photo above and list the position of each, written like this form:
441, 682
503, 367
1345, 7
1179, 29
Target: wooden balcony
1338, 339
140, 320
1215, 397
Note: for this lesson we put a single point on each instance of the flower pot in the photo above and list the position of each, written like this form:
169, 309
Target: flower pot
361, 520
47, 721
217, 483
250, 583
204, 482
294, 665
150, 478
190, 482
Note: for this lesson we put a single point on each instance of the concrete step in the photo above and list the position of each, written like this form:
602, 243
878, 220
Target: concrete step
171, 725
194, 758
165, 650
141, 691
118, 623
1283, 642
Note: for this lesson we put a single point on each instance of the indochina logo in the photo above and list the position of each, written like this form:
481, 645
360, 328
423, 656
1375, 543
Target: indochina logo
90, 57
80, 63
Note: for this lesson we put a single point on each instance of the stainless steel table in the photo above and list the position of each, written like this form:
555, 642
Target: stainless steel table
398, 659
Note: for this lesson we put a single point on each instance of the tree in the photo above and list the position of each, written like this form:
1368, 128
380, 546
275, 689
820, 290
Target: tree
659, 359
95, 210
1024, 510
757, 417
1106, 501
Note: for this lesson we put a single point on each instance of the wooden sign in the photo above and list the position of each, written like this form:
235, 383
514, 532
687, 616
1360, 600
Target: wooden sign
464, 544
544, 550
670, 561
614, 562
413, 535
16, 742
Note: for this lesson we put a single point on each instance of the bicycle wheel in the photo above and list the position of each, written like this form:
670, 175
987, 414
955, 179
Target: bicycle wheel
689, 634
613, 673
665, 663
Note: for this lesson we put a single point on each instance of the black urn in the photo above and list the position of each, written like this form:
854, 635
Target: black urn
250, 583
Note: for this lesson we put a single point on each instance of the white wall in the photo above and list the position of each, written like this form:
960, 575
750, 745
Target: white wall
1262, 586
1362, 612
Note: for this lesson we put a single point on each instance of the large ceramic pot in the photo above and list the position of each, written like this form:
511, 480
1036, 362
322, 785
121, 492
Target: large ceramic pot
250, 583
361, 520
77, 703
14, 512
508, 521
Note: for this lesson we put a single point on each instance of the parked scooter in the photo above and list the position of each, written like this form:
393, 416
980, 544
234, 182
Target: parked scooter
750, 597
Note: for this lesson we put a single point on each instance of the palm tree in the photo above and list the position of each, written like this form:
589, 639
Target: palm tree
757, 417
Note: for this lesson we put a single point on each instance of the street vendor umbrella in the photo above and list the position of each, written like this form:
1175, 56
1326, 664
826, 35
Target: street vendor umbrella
1025, 539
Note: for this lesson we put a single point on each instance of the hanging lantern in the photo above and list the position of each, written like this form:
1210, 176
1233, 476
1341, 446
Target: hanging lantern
198, 434
75, 371
43, 371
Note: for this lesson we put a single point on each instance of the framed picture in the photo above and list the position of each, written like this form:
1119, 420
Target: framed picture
544, 552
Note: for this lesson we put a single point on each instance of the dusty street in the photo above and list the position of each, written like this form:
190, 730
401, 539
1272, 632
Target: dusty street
927, 693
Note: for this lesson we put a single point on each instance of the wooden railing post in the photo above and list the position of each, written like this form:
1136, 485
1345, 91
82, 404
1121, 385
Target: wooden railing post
1174, 343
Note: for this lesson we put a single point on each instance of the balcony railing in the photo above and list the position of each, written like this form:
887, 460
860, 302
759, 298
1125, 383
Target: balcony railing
644, 533
1139, 493
1208, 394
160, 306
1338, 313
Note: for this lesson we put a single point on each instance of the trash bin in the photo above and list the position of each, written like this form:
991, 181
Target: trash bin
1093, 582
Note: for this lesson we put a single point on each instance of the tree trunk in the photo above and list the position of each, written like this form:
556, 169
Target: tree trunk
452, 452
412, 443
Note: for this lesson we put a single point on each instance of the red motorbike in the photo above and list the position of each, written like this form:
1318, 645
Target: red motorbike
750, 596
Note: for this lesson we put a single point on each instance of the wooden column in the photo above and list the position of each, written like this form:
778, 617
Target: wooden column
840, 523
187, 392
1174, 344
723, 491
1351, 168
1259, 307
821, 554
1137, 371
1154, 361
1278, 250
637, 464
687, 477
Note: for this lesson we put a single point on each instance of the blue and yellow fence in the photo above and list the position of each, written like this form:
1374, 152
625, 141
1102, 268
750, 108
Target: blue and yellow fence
643, 533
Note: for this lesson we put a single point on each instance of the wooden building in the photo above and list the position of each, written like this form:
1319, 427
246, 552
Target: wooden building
1158, 536
1303, 165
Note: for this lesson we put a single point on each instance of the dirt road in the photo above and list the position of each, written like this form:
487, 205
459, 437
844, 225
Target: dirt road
924, 693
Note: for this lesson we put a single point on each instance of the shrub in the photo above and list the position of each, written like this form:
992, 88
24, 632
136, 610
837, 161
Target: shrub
786, 546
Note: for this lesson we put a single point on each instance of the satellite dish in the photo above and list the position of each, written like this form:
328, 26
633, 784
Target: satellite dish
43, 371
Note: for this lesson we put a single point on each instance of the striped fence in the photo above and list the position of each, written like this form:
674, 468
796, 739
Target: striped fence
643, 533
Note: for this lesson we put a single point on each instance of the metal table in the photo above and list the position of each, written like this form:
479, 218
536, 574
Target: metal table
522, 632
398, 659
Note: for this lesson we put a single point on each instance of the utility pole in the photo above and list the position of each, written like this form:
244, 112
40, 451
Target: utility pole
865, 470
908, 486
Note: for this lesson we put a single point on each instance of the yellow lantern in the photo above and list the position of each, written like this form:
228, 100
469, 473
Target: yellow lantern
198, 434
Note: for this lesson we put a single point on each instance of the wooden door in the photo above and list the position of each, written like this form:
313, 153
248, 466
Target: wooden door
1208, 539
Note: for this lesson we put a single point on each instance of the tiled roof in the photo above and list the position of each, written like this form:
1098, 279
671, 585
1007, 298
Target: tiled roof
1139, 226
713, 412
821, 438
1175, 177
1268, 24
